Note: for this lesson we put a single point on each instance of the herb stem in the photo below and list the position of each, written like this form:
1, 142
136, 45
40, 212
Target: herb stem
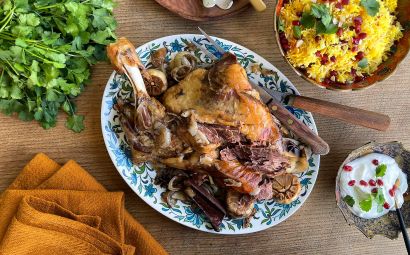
47, 7
9, 18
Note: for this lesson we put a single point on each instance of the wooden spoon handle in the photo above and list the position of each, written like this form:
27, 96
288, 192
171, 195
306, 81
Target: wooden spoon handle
302, 131
349, 114
259, 5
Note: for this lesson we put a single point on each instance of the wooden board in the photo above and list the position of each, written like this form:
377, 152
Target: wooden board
194, 9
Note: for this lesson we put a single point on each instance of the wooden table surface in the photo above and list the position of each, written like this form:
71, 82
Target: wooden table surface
317, 228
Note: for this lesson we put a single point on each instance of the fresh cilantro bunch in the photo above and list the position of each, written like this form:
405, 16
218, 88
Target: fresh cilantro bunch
46, 50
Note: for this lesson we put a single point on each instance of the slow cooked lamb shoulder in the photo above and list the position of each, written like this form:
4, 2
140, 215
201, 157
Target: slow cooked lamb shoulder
212, 122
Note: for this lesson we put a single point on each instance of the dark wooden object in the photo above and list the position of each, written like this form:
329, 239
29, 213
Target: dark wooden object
352, 115
194, 9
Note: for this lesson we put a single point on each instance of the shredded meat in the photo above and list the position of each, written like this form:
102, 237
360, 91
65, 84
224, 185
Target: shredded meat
260, 157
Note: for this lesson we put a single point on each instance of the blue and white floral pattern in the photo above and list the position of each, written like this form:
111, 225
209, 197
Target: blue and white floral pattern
140, 178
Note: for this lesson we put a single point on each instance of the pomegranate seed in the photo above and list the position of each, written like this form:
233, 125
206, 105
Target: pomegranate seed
347, 168
375, 162
351, 183
333, 58
354, 48
379, 182
296, 23
318, 54
317, 38
356, 40
325, 59
358, 20
362, 35
363, 183
372, 183
360, 55
391, 192
339, 32
358, 29
345, 2
353, 72
339, 6
374, 190
386, 205
333, 73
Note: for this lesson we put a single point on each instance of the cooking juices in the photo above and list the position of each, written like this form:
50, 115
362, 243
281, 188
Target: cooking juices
370, 184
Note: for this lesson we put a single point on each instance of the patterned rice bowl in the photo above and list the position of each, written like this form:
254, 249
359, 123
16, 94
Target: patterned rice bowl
141, 178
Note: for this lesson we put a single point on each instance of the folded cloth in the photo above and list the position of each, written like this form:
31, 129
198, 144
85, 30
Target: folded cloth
50, 209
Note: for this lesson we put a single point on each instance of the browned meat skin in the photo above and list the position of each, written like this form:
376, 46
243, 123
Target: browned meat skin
224, 96
248, 179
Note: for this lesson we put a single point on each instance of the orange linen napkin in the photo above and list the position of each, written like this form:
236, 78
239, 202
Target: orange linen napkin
53, 210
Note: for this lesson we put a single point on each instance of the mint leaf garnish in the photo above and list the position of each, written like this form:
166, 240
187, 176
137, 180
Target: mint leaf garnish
349, 200
307, 20
381, 170
371, 6
363, 63
366, 204
297, 32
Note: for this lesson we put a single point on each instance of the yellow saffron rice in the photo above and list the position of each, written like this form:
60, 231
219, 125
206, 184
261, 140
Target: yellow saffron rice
381, 31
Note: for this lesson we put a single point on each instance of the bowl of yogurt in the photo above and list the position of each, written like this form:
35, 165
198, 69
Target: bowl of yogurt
371, 180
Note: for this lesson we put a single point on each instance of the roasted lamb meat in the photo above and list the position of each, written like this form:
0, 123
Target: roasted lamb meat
212, 123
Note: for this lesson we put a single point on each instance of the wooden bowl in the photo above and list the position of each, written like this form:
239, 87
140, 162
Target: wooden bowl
194, 9
398, 52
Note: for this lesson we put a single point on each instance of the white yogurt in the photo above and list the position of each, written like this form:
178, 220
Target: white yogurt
358, 179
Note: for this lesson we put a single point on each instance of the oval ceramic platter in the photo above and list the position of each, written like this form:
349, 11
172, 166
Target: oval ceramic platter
141, 178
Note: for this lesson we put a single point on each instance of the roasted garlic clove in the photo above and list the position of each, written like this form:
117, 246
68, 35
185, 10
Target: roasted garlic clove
158, 83
286, 188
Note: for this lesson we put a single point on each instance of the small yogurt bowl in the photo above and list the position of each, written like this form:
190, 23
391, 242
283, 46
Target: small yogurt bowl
387, 225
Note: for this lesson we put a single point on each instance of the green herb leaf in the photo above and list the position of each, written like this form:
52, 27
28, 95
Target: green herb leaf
322, 29
319, 10
325, 25
363, 63
366, 204
381, 170
371, 6
75, 123
307, 20
46, 49
281, 25
380, 199
297, 32
349, 200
